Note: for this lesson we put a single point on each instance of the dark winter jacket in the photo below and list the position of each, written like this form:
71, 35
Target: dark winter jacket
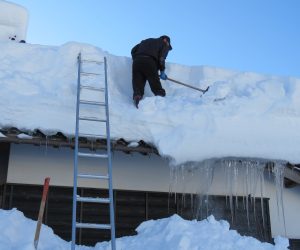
153, 47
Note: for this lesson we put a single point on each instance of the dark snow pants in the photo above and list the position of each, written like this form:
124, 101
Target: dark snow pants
144, 69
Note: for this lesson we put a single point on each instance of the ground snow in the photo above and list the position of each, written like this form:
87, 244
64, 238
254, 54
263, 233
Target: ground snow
173, 233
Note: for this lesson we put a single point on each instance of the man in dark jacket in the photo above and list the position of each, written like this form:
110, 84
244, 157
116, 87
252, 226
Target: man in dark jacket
149, 57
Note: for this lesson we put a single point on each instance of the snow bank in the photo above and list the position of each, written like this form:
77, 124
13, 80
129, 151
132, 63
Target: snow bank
242, 115
17, 233
173, 233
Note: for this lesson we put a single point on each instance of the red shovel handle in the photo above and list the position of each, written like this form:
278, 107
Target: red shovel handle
46, 188
41, 212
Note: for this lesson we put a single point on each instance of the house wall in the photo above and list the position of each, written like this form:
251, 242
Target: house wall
31, 164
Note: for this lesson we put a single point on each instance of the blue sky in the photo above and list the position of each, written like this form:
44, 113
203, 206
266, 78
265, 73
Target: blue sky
246, 35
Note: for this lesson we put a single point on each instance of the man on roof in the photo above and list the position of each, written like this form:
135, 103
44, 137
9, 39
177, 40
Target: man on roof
148, 58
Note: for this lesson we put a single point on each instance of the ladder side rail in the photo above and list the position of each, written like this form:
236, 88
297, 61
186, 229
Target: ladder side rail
111, 204
76, 158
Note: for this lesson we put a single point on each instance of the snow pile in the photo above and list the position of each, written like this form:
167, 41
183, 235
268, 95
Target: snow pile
13, 21
17, 233
173, 233
242, 114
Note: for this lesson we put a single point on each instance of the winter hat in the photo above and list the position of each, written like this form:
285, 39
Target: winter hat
168, 39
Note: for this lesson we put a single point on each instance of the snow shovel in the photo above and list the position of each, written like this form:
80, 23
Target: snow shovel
189, 86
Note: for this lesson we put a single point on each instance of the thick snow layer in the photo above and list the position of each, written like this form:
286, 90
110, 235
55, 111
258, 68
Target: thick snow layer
13, 21
242, 115
173, 233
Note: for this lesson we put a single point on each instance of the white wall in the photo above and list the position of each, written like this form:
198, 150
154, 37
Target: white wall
31, 164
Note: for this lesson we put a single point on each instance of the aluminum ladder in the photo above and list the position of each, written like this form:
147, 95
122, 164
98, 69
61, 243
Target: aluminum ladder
89, 86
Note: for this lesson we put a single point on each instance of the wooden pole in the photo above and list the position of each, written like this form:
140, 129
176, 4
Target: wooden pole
41, 212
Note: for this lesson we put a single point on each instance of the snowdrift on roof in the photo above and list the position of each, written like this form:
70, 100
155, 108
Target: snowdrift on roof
242, 115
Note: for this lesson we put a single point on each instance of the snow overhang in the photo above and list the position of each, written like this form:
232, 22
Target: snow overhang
38, 138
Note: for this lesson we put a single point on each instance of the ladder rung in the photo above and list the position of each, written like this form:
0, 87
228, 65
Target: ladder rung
93, 200
92, 103
94, 226
92, 155
92, 136
91, 176
94, 119
89, 74
92, 88
92, 61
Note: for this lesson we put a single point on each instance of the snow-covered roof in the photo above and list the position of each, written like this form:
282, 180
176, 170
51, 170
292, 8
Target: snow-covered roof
243, 114
13, 21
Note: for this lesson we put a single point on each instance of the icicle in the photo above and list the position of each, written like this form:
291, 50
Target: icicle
171, 184
207, 207
247, 192
235, 179
205, 170
270, 167
199, 207
229, 170
262, 183
192, 195
279, 179
254, 208
255, 175
175, 183
248, 172
184, 170
209, 169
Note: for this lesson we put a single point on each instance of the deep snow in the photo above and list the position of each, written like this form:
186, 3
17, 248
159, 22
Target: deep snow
242, 115
164, 234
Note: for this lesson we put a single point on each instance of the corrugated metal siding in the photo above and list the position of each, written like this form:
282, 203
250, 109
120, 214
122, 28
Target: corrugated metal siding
132, 208
294, 244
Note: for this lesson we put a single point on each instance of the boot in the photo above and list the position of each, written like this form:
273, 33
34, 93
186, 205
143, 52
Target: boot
136, 100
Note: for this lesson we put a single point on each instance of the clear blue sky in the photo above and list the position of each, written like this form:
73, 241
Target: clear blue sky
247, 35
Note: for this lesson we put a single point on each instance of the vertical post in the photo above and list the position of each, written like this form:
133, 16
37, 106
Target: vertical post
111, 195
76, 158
41, 212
